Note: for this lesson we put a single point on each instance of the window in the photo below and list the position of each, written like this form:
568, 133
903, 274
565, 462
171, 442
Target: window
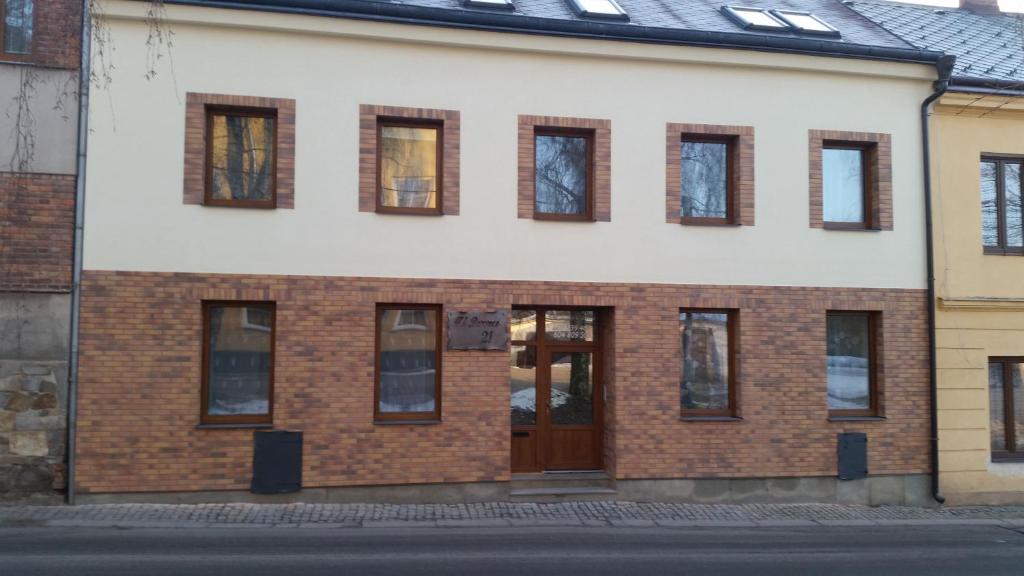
238, 363
846, 185
500, 4
851, 364
1002, 223
408, 385
754, 18
806, 23
563, 174
599, 9
707, 385
706, 176
409, 166
17, 28
241, 163
1006, 408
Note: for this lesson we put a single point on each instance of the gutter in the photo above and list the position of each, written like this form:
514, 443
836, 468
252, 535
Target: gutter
84, 79
945, 70
502, 21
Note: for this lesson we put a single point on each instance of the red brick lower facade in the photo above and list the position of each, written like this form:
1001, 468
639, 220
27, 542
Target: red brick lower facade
37, 216
139, 398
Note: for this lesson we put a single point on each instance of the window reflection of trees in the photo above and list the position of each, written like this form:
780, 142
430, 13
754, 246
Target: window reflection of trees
243, 157
705, 372
561, 174
704, 173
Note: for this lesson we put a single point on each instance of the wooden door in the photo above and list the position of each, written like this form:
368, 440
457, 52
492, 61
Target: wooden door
556, 394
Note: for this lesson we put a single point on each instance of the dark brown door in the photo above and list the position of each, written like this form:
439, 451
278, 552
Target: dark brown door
557, 399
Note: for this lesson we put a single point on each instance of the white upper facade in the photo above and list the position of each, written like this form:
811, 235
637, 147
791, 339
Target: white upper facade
136, 220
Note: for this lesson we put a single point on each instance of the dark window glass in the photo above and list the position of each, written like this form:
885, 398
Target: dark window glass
409, 167
572, 388
523, 379
989, 204
705, 381
569, 325
239, 362
562, 173
242, 161
1002, 222
704, 175
409, 362
1006, 407
850, 372
18, 26
843, 185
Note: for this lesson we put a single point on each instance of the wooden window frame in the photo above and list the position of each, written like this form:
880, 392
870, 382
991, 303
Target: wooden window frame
407, 417
236, 419
587, 134
400, 122
1013, 453
874, 326
868, 158
732, 327
1001, 161
731, 160
16, 56
245, 112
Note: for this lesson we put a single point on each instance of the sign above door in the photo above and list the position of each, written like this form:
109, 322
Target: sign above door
478, 330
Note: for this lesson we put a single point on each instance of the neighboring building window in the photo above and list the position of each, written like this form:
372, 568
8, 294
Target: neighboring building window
846, 185
707, 383
1006, 408
563, 174
705, 171
241, 166
1002, 222
238, 363
17, 28
409, 166
851, 364
408, 383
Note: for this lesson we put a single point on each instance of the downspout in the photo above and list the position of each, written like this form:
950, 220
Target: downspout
945, 70
84, 78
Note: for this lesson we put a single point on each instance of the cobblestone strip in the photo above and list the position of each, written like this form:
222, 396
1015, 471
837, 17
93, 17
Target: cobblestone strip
497, 514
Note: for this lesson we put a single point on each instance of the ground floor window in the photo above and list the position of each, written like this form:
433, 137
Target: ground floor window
708, 371
238, 362
852, 364
1006, 408
408, 382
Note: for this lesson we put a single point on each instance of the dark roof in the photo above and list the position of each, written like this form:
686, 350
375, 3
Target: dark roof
685, 22
986, 46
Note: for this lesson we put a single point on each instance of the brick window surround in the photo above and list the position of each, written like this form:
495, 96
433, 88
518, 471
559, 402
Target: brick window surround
368, 117
742, 159
195, 142
602, 158
880, 159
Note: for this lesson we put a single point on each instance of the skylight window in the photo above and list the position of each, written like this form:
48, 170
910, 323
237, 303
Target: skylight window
499, 4
599, 8
754, 18
806, 23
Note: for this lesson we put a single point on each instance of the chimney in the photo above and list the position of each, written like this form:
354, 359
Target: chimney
980, 6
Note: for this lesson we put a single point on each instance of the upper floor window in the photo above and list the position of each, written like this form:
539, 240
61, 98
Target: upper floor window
17, 28
1002, 223
238, 363
852, 364
563, 174
241, 165
846, 184
409, 166
1006, 404
707, 382
706, 165
408, 383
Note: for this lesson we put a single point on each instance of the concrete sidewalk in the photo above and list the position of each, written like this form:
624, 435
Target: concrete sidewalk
500, 514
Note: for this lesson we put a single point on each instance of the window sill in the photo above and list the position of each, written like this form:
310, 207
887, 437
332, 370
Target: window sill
406, 422
717, 222
856, 418
408, 212
710, 419
238, 426
241, 204
991, 251
561, 218
849, 227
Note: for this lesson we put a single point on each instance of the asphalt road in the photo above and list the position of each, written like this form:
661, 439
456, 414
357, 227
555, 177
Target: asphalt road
872, 551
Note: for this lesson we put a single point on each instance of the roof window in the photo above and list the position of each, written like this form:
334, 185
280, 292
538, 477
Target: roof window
599, 9
754, 18
806, 23
499, 4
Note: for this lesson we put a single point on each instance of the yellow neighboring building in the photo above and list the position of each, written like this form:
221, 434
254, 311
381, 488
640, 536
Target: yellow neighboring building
976, 153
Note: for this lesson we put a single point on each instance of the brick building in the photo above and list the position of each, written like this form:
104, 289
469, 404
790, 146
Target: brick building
39, 62
667, 253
